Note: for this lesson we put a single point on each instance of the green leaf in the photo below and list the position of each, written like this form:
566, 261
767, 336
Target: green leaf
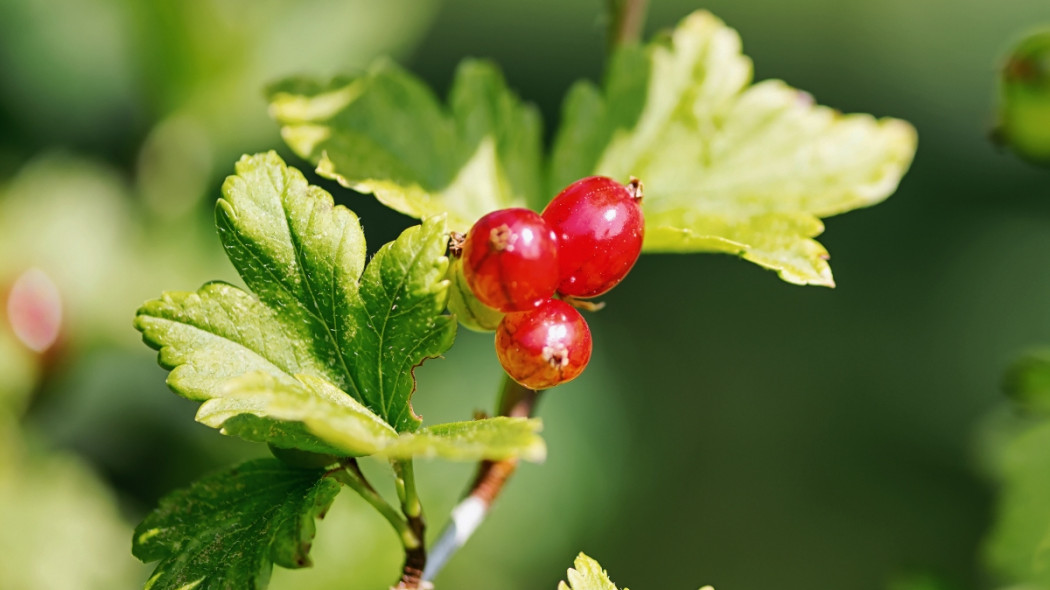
384, 132
727, 166
313, 415
587, 575
309, 414
228, 529
316, 310
492, 438
1018, 547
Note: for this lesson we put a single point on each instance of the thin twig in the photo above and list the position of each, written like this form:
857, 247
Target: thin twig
626, 18
516, 401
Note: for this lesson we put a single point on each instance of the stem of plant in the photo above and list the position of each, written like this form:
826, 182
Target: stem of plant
350, 474
626, 18
515, 401
415, 557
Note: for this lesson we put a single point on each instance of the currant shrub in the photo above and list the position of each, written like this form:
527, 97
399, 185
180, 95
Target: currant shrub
510, 260
599, 226
545, 346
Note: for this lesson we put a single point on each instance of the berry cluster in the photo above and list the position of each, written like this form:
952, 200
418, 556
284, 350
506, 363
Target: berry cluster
516, 261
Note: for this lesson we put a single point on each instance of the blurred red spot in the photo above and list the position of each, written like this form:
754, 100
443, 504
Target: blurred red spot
34, 310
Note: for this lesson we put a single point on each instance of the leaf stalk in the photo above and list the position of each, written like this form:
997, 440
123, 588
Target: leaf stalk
412, 508
349, 473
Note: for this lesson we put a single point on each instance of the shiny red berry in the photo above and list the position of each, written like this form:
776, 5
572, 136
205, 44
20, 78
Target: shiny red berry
599, 225
510, 260
544, 347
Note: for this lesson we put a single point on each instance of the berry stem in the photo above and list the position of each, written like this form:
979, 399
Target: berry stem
515, 401
626, 18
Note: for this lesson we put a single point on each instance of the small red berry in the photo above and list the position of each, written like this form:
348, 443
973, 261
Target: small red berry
544, 347
600, 227
510, 260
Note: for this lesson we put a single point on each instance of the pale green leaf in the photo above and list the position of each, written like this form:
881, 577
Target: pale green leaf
228, 529
492, 438
727, 166
309, 414
587, 574
384, 132
316, 311
313, 415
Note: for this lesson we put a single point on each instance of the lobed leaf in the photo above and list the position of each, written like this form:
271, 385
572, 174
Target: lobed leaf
228, 529
727, 166
384, 132
316, 310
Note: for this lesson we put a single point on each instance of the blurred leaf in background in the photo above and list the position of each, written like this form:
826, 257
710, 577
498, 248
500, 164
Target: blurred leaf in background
102, 74
1016, 450
118, 120
60, 526
1024, 98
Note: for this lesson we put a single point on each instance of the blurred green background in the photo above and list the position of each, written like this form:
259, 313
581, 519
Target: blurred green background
732, 430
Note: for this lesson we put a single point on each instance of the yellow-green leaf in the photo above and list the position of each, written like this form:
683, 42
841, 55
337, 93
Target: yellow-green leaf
727, 166
385, 132
312, 414
587, 574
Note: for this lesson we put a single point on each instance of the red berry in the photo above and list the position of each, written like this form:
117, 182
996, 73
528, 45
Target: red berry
510, 260
544, 347
599, 225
